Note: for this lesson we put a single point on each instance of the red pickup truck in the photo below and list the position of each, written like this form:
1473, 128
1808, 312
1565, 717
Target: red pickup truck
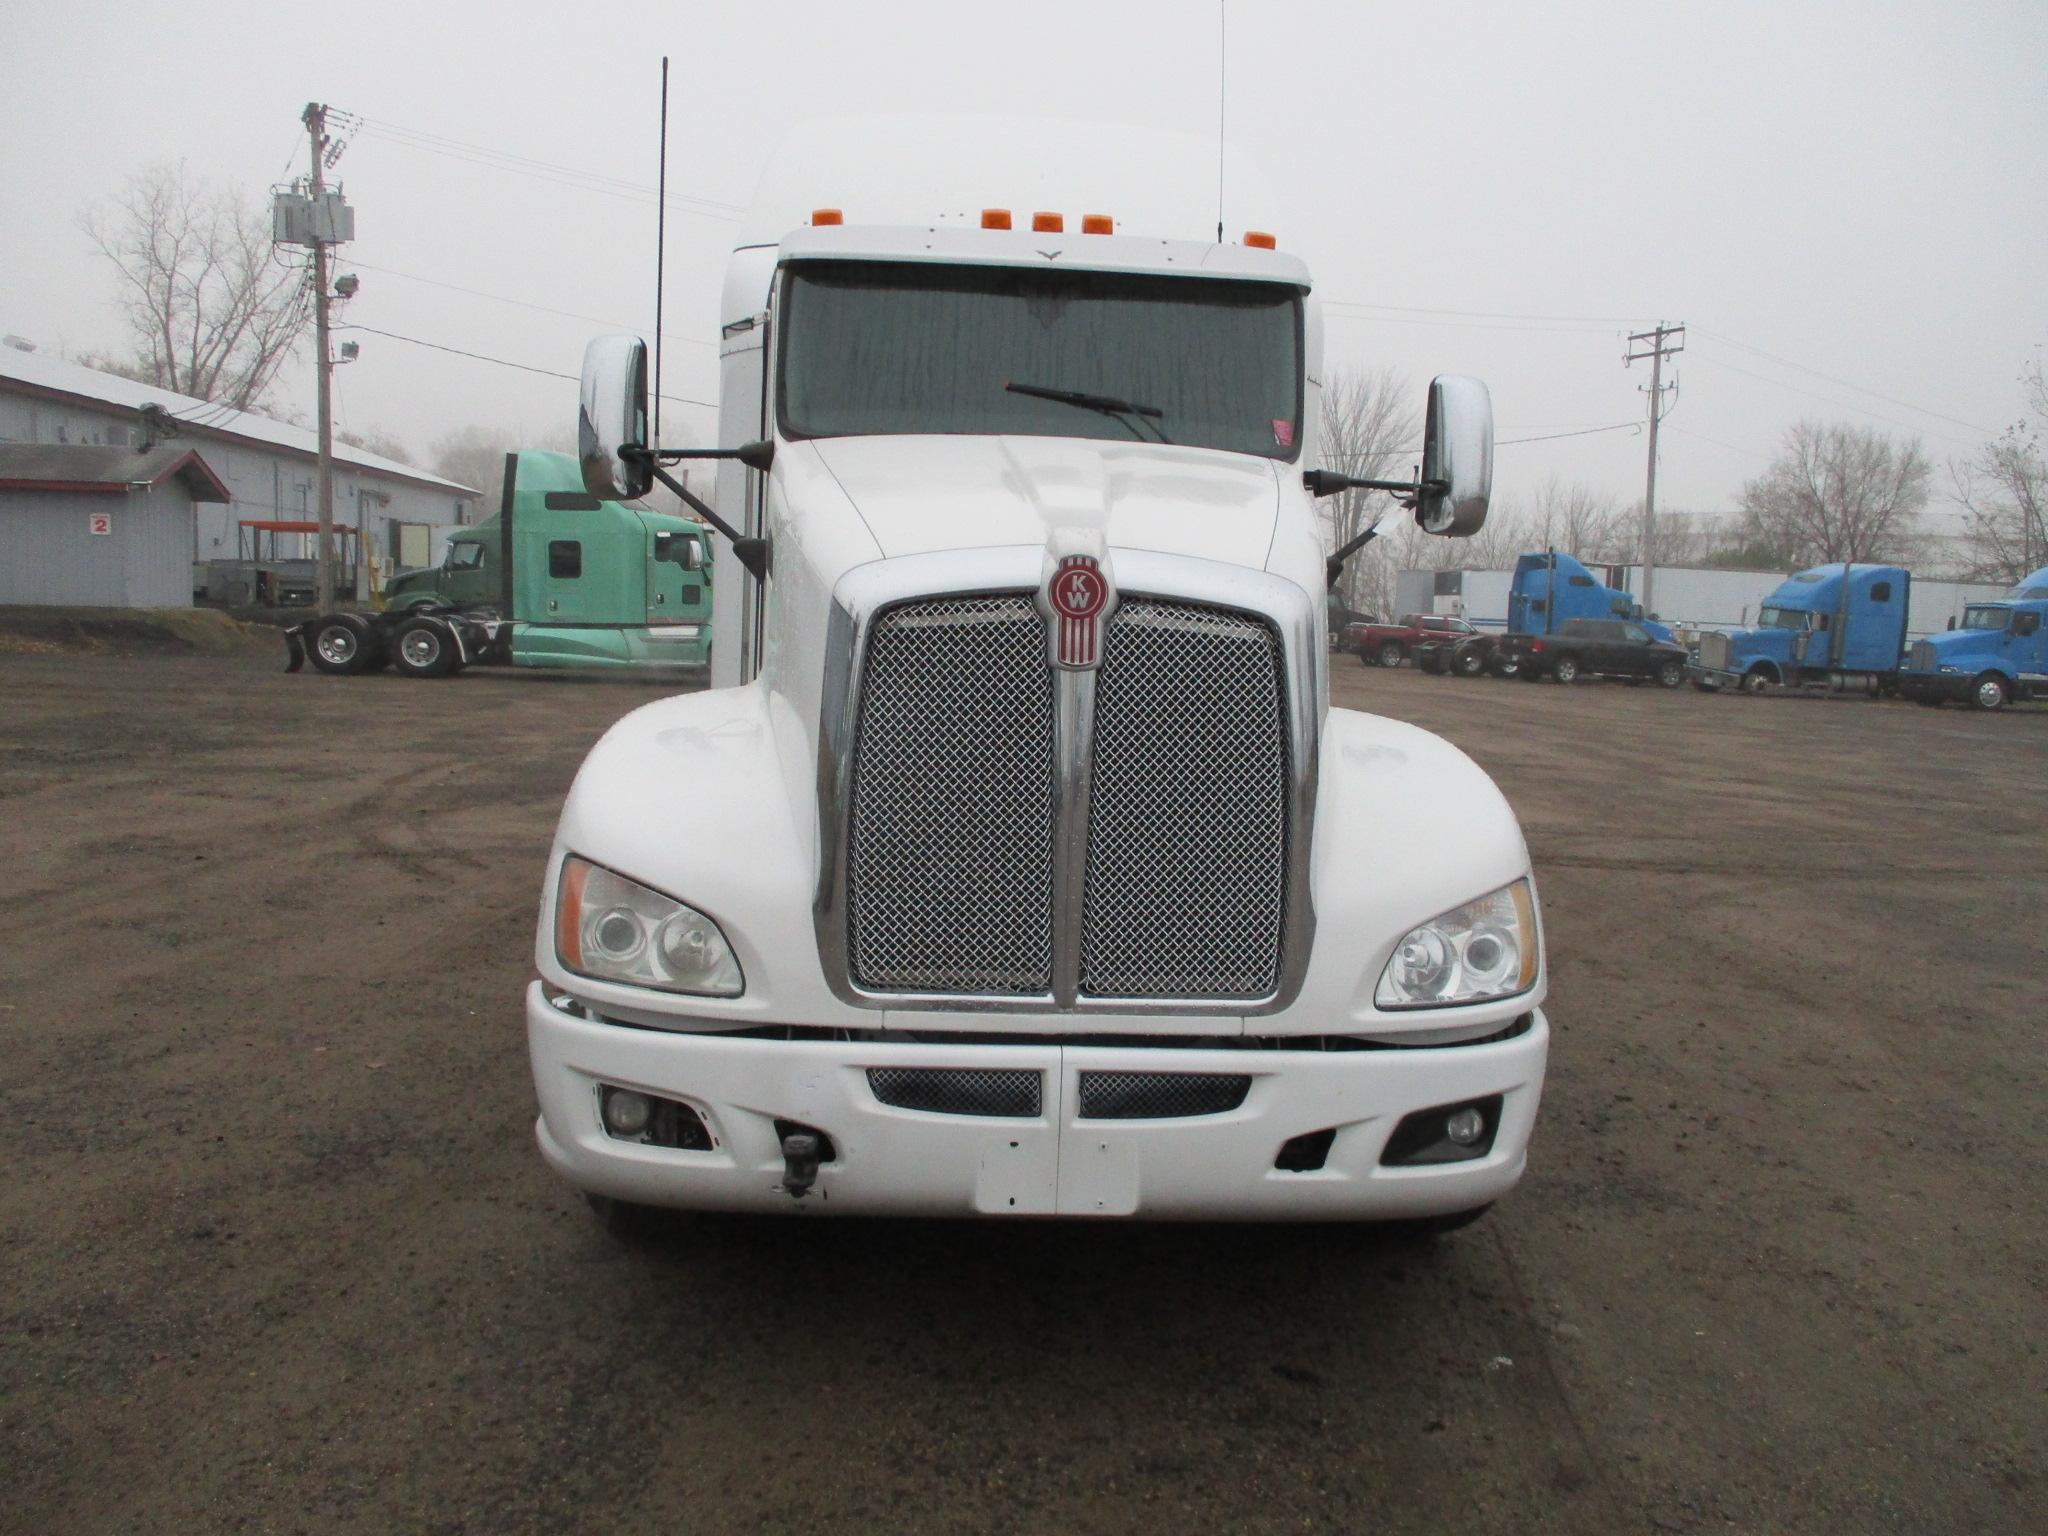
1388, 645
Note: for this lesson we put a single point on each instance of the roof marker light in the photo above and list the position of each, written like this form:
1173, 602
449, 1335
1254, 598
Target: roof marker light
1048, 224
995, 218
1258, 239
1097, 224
827, 216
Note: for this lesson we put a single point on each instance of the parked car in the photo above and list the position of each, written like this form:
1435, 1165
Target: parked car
1388, 645
1596, 647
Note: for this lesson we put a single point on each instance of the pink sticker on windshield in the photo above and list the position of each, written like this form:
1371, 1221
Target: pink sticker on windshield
1283, 432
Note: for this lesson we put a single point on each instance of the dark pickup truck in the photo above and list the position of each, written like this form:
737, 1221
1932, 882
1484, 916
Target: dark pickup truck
1595, 648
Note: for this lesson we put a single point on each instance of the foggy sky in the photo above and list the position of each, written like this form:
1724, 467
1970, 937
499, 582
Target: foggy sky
1503, 190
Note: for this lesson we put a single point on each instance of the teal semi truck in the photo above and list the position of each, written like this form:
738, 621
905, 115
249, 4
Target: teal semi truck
556, 578
1997, 655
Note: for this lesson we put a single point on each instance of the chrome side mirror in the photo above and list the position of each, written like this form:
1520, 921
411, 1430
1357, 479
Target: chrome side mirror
611, 419
1457, 457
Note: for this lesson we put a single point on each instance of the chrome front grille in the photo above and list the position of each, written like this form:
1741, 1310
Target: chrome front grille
1922, 659
949, 841
954, 834
1187, 829
1714, 651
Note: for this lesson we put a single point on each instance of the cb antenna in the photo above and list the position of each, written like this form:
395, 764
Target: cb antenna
1222, 77
660, 241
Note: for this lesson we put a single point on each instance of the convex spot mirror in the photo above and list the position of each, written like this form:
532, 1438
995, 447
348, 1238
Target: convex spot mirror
1457, 457
611, 419
679, 549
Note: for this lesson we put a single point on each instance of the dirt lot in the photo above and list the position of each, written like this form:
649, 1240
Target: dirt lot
277, 1253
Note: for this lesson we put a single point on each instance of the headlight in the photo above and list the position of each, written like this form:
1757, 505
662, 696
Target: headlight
618, 930
1484, 949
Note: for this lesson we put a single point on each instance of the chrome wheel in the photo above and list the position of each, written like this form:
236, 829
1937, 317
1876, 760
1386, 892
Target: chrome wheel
336, 645
421, 648
1990, 693
1565, 670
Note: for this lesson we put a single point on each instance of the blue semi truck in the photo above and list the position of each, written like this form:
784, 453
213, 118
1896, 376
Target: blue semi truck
1549, 590
1997, 655
1835, 626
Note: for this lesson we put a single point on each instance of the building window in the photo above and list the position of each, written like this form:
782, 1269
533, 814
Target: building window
565, 559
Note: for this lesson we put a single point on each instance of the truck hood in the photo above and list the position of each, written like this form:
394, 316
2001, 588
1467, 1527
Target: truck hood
1951, 646
926, 493
1756, 644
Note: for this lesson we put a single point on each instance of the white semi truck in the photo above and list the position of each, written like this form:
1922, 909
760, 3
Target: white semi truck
1016, 863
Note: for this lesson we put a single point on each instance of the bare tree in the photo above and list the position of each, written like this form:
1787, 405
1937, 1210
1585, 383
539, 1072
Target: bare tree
2004, 492
1366, 423
1838, 492
376, 440
213, 314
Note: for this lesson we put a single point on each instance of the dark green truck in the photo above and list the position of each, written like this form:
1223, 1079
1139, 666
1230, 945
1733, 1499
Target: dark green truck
557, 578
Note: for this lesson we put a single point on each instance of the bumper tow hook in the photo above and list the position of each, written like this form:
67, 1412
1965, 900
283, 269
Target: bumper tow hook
799, 1163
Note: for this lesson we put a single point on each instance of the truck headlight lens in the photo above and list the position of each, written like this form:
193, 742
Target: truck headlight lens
1484, 949
618, 930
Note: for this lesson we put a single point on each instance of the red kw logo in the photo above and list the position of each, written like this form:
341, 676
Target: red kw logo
1078, 595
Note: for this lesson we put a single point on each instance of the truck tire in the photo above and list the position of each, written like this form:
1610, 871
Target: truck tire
425, 648
1390, 653
1671, 674
1757, 680
341, 645
1468, 661
1991, 692
1504, 666
1565, 669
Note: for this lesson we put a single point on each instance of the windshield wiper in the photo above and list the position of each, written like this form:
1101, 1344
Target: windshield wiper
1126, 411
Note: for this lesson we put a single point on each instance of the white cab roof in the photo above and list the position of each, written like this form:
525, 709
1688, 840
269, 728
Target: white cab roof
1022, 248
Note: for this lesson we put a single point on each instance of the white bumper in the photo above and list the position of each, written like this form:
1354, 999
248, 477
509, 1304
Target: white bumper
911, 1162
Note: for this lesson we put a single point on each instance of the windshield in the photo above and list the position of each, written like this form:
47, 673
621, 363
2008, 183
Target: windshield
889, 347
1984, 618
1784, 618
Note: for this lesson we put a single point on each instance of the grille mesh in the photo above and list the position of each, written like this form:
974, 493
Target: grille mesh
1160, 1095
1923, 657
949, 847
1714, 651
1187, 835
998, 1093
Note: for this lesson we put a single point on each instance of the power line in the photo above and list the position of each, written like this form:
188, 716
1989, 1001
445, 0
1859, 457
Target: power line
499, 298
1730, 341
1619, 426
1764, 378
1484, 314
542, 170
501, 361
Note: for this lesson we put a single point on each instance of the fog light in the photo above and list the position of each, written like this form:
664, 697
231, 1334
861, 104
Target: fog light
625, 1112
1466, 1126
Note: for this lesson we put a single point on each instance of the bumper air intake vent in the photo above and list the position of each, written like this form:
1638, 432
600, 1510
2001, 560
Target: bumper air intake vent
1160, 1095
997, 1093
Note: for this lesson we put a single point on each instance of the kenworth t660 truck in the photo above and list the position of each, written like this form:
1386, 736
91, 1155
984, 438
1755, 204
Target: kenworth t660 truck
1017, 863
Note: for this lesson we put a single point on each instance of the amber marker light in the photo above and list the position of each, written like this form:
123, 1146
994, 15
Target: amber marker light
1097, 224
820, 216
1259, 240
569, 913
1048, 224
1525, 913
995, 218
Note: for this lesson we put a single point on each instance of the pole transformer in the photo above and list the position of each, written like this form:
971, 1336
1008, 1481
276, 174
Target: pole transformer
1665, 341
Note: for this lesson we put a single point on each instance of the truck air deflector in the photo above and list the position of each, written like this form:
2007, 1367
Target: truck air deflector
1196, 793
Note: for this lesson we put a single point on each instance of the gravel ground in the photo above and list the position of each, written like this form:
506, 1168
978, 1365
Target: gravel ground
277, 1253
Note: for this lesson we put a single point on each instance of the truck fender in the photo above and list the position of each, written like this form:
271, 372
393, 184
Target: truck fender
1393, 796
709, 798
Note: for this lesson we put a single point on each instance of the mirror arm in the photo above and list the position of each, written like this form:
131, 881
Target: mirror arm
752, 553
1327, 482
754, 455
1334, 566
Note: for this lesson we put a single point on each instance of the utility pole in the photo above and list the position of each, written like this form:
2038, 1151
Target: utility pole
315, 119
1663, 342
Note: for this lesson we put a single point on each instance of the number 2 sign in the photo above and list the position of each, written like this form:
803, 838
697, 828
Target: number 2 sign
100, 522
